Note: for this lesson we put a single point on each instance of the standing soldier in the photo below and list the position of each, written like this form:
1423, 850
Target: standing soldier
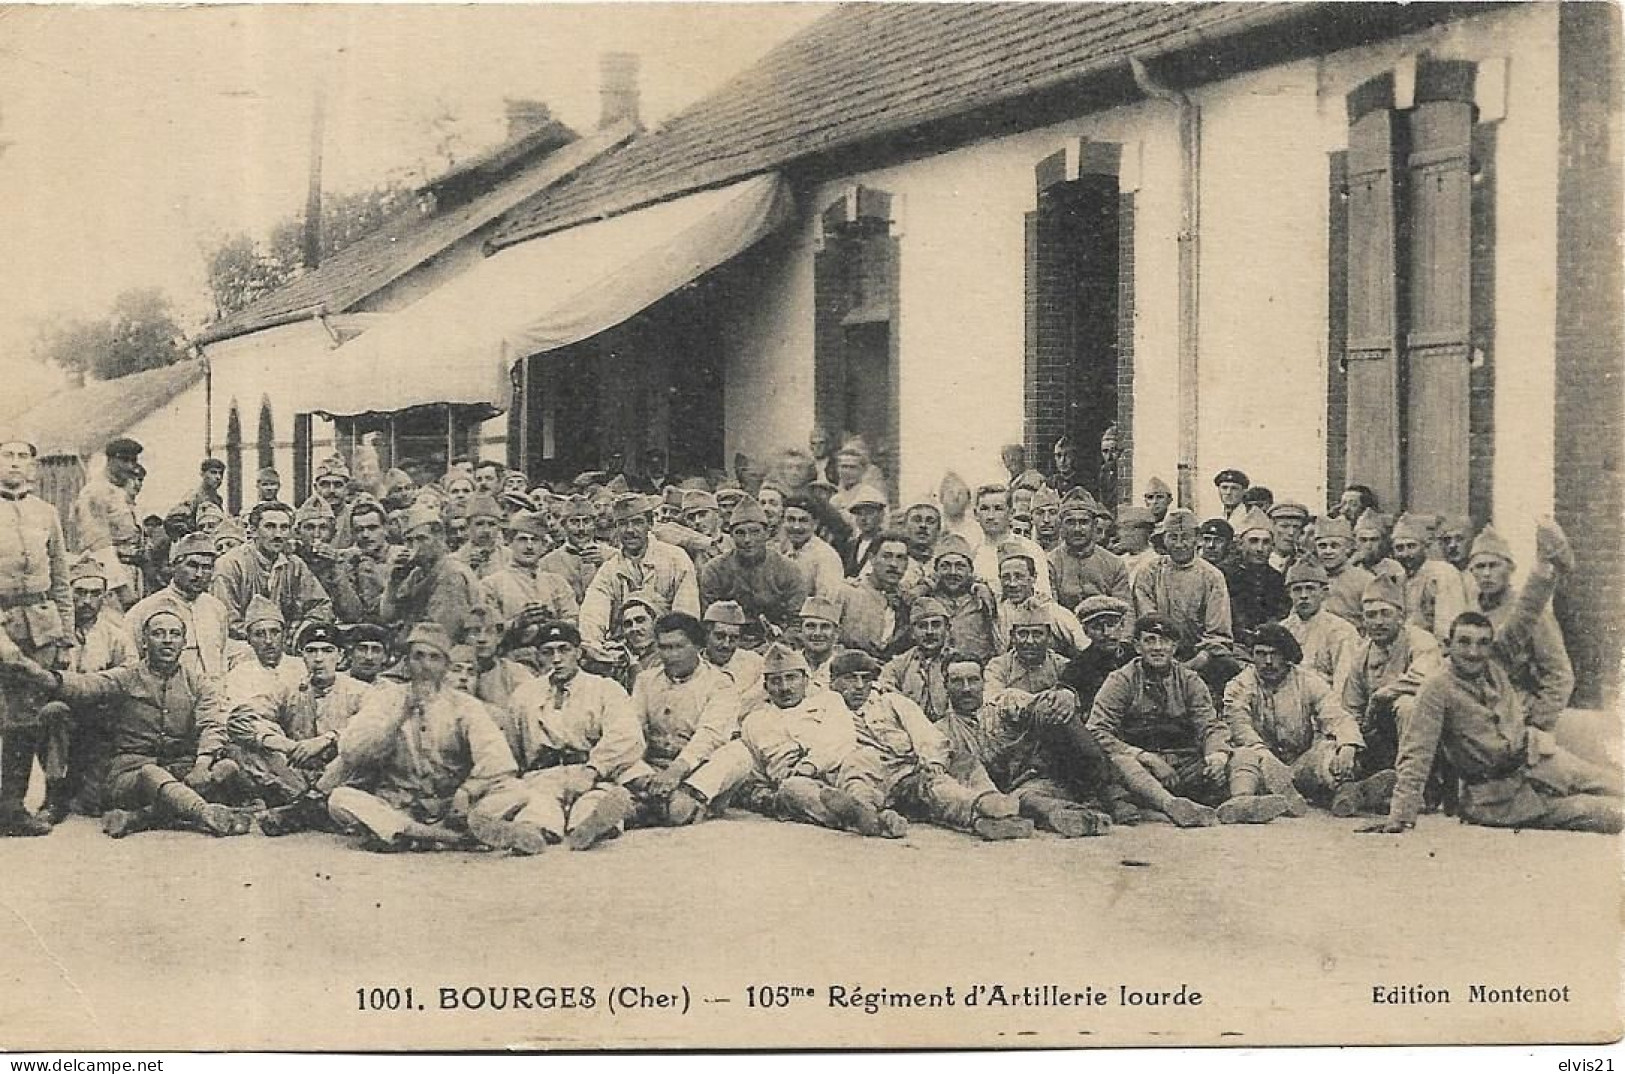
104, 521
37, 613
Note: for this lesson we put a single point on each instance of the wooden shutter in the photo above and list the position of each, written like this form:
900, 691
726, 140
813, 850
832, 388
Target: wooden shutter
1438, 343
1337, 293
1372, 351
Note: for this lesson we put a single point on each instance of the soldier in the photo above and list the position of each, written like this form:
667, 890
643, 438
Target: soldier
484, 551
688, 710
1455, 542
1065, 476
263, 566
495, 676
367, 645
819, 634
1102, 620
104, 521
191, 563
1346, 580
581, 742
267, 486
973, 621
762, 582
1078, 567
724, 625
80, 744
284, 738
1158, 497
820, 563
1232, 486
903, 761
1434, 595
1156, 722
520, 589
1290, 519
365, 566
36, 610
169, 731
867, 508
427, 583
1033, 747
1257, 590
267, 668
1046, 508
993, 515
1513, 775
1326, 640
421, 765
643, 563
1018, 598
211, 473
1528, 643
1191, 594
1133, 544
1216, 543
1291, 737
920, 673
580, 556
1380, 681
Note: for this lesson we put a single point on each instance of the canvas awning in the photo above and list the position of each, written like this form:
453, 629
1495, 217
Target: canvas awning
458, 343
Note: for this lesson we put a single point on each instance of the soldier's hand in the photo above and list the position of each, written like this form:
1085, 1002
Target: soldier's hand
1342, 765
199, 777
663, 784
1214, 764
307, 750
1161, 770
593, 555
1386, 827
460, 804
1552, 545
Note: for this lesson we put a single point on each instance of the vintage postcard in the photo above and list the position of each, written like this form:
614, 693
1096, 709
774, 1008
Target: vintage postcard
802, 526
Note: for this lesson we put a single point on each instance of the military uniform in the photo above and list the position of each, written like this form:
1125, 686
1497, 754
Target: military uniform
37, 616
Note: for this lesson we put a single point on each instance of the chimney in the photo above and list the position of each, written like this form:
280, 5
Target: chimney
618, 88
525, 116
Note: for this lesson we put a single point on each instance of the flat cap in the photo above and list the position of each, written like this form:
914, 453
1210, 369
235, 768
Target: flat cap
1231, 477
193, 544
558, 631
727, 612
865, 496
123, 448
853, 662
1100, 604
319, 633
1290, 509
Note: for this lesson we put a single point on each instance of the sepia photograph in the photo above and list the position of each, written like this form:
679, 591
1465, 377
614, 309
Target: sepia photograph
687, 526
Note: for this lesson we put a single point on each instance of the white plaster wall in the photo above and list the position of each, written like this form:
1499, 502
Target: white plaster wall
961, 325
1263, 280
172, 437
250, 368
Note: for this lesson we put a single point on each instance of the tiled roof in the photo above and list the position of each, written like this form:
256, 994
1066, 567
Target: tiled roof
80, 421
406, 241
867, 70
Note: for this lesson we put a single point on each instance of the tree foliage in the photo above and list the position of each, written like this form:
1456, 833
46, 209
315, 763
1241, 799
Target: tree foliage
138, 334
241, 270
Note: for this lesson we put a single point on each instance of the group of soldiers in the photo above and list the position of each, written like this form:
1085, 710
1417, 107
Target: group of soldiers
478, 662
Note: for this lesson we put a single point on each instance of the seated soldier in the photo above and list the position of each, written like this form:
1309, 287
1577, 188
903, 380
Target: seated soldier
519, 587
873, 610
724, 627
820, 627
763, 582
422, 766
580, 744
169, 729
1327, 640
1155, 719
1384, 671
793, 745
1018, 596
367, 645
1528, 642
688, 710
1513, 774
1033, 747
285, 737
495, 676
80, 744
902, 761
1290, 735
1101, 618
921, 673
1030, 664
973, 622
266, 667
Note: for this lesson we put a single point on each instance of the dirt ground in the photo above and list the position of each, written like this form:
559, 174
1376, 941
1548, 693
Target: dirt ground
169, 940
